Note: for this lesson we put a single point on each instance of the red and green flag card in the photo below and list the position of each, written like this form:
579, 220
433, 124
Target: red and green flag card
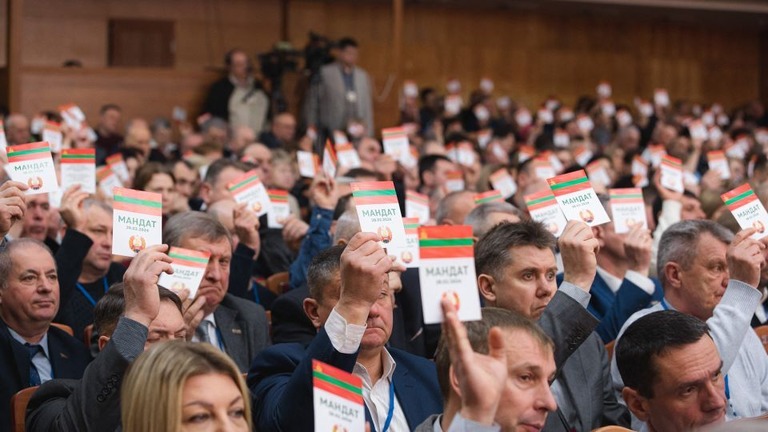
308, 163
3, 141
654, 153
78, 166
379, 212
627, 209
72, 114
417, 206
347, 156
137, 220
577, 199
553, 160
698, 130
107, 180
543, 207
396, 144
488, 196
117, 164
503, 182
410, 255
598, 174
524, 153
582, 155
188, 270
447, 270
281, 209
542, 168
329, 160
455, 181
672, 173
339, 137
53, 136
718, 162
32, 164
639, 172
338, 404
747, 209
250, 190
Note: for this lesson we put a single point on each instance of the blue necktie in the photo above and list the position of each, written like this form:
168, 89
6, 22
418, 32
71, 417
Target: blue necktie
34, 376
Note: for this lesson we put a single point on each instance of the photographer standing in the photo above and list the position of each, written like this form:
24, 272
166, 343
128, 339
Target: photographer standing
238, 98
342, 93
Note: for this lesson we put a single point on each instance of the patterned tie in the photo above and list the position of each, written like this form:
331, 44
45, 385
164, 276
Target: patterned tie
202, 332
34, 375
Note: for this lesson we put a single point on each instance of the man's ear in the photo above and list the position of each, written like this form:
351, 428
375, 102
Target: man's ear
454, 382
310, 309
205, 192
103, 340
487, 286
636, 403
672, 274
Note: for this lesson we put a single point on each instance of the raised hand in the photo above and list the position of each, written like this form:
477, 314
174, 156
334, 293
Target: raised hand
637, 249
142, 298
247, 227
364, 268
578, 248
745, 258
12, 205
71, 209
480, 377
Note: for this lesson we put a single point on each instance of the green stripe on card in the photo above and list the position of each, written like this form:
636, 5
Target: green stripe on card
337, 382
574, 182
540, 200
445, 242
141, 202
739, 197
188, 258
372, 193
27, 152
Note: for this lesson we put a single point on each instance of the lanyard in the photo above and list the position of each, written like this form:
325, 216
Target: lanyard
391, 407
727, 387
87, 295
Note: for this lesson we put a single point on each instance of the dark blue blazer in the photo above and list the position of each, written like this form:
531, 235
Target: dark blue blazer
69, 358
280, 381
614, 309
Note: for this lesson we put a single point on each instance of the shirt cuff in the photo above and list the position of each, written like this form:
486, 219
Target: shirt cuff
645, 283
461, 424
344, 337
575, 293
743, 294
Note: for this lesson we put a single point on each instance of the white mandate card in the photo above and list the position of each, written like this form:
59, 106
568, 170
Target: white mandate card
188, 270
337, 399
578, 200
543, 207
417, 206
503, 182
249, 189
307, 163
627, 208
78, 166
410, 255
32, 164
747, 209
379, 212
280, 208
718, 162
447, 270
107, 180
137, 219
672, 173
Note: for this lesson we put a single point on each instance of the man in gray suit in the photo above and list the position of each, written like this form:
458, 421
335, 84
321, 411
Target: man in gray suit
236, 326
516, 270
341, 93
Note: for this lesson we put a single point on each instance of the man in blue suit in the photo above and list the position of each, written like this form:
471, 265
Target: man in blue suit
351, 306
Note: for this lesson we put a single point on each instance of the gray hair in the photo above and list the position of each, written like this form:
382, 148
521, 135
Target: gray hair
679, 243
194, 224
479, 215
6, 257
92, 202
446, 204
347, 226
493, 250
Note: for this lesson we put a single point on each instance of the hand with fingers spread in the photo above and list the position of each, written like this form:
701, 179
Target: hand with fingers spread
745, 258
71, 209
364, 266
637, 249
578, 248
294, 230
12, 205
142, 298
247, 227
480, 377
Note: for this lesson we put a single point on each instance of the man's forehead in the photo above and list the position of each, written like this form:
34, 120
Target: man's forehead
30, 256
530, 255
688, 362
526, 351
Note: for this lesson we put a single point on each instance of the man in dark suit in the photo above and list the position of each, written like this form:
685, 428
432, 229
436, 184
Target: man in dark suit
235, 325
352, 309
31, 350
129, 318
517, 270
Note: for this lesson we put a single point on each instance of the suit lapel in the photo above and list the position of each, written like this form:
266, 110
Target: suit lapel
20, 355
407, 396
602, 296
232, 334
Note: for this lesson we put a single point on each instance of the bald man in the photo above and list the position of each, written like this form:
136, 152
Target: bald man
17, 129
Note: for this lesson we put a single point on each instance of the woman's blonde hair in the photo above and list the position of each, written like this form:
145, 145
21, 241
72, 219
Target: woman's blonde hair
151, 394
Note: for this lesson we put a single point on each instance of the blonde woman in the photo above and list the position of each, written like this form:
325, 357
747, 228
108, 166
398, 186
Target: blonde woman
180, 386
